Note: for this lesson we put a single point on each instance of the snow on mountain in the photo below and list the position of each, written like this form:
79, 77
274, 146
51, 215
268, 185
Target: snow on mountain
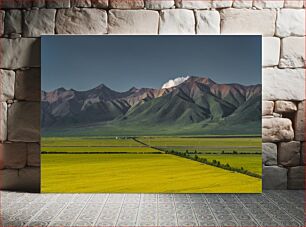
175, 82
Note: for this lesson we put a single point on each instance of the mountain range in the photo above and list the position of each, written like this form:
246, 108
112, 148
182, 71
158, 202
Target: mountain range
197, 105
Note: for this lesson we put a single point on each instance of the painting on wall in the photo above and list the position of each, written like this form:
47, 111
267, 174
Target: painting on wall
151, 114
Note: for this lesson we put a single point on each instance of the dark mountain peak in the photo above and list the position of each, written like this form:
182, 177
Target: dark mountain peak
61, 89
100, 87
202, 80
133, 89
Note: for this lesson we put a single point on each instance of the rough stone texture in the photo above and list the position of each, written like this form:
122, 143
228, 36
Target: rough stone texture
293, 52
100, 3
56, 4
293, 4
81, 21
3, 121
39, 22
178, 21
248, 21
299, 122
296, 177
242, 4
283, 84
285, 106
27, 85
277, 129
138, 22
2, 15
267, 107
26, 179
13, 155
20, 53
208, 22
33, 154
80, 3
191, 4
261, 4
290, 22
159, 4
7, 80
13, 21
39, 3
303, 159
126, 4
24, 122
274, 177
221, 3
269, 154
271, 51
15, 4
289, 153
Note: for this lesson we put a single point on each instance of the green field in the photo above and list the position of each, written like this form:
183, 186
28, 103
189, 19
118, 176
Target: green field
139, 173
102, 149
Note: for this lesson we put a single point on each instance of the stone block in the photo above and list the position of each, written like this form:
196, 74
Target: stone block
290, 22
177, 21
191, 4
13, 155
277, 129
25, 180
293, 3
2, 15
20, 53
296, 176
39, 22
267, 107
208, 22
289, 154
299, 122
221, 3
7, 82
133, 22
293, 52
303, 157
27, 85
81, 21
269, 154
100, 3
15, 4
285, 106
126, 4
13, 21
274, 177
242, 4
248, 21
33, 158
56, 4
24, 122
283, 84
39, 3
270, 51
262, 4
3, 121
159, 4
80, 3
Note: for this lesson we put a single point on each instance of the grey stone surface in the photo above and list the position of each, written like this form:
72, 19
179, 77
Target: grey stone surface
289, 153
271, 208
270, 51
26, 179
299, 122
282, 106
2, 15
269, 154
13, 155
159, 4
126, 4
267, 107
100, 3
178, 21
293, 52
248, 21
27, 85
296, 176
264, 4
20, 53
81, 21
3, 121
140, 22
13, 21
7, 85
39, 22
293, 4
283, 84
274, 177
15, 4
55, 4
207, 22
290, 22
24, 122
80, 3
222, 3
191, 4
277, 129
240, 4
303, 158
33, 158
39, 3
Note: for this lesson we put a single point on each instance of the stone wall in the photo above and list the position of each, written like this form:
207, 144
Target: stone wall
281, 22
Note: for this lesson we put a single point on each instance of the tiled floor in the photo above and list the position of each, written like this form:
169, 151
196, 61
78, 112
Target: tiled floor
272, 208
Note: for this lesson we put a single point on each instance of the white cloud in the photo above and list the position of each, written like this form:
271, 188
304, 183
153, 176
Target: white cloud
175, 82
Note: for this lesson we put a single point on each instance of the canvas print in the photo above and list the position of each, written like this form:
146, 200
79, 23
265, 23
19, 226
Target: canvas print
151, 114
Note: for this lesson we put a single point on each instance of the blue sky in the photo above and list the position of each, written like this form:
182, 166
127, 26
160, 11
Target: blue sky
122, 62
